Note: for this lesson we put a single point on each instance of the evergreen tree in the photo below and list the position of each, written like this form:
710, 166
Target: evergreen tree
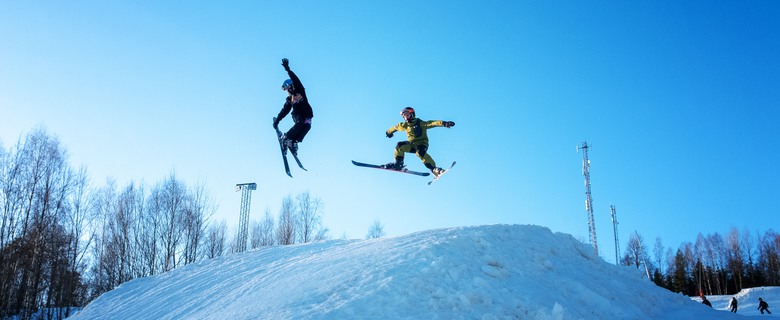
679, 277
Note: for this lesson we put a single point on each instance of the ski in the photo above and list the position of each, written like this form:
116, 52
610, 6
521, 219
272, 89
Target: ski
445, 171
284, 151
367, 165
295, 155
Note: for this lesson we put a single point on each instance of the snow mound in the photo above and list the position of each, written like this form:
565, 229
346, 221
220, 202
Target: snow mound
483, 272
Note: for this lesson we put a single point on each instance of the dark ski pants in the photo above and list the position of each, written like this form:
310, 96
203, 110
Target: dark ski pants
299, 130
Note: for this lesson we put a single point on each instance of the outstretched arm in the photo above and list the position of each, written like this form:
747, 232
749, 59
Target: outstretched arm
389, 132
296, 81
283, 113
438, 123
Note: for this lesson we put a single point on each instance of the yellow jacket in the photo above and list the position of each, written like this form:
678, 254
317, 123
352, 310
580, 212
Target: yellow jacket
417, 130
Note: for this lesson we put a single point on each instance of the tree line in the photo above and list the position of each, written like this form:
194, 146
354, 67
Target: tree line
64, 241
713, 265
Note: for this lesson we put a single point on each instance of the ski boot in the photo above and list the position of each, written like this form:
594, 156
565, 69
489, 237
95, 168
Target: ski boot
293, 146
289, 144
437, 171
395, 165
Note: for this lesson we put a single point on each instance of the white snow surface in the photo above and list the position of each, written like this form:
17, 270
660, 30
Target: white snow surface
481, 272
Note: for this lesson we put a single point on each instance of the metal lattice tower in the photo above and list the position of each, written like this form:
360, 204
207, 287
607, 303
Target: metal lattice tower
243, 220
614, 228
588, 198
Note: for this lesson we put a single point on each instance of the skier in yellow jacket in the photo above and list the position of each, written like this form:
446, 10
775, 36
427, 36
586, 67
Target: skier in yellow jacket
417, 140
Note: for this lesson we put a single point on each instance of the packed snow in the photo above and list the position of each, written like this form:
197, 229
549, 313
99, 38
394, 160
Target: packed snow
483, 272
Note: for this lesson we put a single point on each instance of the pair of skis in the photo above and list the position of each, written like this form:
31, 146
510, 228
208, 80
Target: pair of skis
283, 148
404, 170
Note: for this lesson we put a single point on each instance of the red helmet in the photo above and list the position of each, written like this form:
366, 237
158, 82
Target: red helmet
407, 111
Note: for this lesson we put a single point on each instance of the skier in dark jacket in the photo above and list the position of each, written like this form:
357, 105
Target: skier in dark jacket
763, 306
733, 304
705, 301
298, 103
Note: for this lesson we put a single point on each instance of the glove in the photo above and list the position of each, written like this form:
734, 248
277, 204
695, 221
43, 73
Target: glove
276, 124
389, 134
286, 64
449, 124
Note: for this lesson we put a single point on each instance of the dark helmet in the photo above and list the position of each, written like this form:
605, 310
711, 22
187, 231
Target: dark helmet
287, 84
407, 111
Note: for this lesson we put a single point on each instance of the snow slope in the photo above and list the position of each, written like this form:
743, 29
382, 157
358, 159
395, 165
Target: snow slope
747, 301
484, 272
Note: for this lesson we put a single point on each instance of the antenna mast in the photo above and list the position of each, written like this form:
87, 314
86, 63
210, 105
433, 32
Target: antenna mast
614, 228
243, 220
588, 198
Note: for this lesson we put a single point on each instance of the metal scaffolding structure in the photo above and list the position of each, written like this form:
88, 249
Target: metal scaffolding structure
588, 198
614, 229
243, 220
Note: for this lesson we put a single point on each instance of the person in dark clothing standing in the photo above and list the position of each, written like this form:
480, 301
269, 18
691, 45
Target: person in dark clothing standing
733, 304
705, 301
763, 306
298, 103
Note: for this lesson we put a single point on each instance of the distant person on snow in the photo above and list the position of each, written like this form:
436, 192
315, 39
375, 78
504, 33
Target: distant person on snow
301, 110
763, 306
705, 301
416, 140
733, 305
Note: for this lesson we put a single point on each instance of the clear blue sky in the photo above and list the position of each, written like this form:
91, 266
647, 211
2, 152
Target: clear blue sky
678, 99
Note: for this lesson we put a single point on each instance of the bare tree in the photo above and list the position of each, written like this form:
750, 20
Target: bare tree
704, 258
636, 253
717, 254
263, 231
711, 253
769, 257
735, 257
658, 252
173, 194
286, 228
669, 262
75, 224
104, 275
310, 218
47, 194
749, 248
150, 233
216, 240
376, 230
127, 211
200, 207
